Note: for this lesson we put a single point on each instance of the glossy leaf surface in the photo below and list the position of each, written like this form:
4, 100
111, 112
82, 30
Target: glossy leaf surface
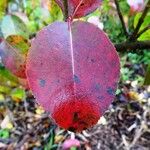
80, 8
73, 73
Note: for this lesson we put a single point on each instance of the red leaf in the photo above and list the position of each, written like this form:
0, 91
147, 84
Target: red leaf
80, 8
73, 73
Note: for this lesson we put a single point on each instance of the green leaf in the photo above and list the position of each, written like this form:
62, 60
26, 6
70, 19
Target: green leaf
4, 133
145, 35
147, 77
42, 14
3, 5
50, 143
18, 94
13, 25
2, 98
6, 75
4, 89
55, 11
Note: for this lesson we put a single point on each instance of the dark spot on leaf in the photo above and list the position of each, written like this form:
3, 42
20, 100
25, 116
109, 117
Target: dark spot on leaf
83, 123
110, 91
42, 82
58, 81
92, 60
100, 97
113, 63
97, 86
76, 79
82, 4
75, 117
41, 63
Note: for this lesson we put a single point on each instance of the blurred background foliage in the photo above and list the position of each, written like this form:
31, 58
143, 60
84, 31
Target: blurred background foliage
20, 20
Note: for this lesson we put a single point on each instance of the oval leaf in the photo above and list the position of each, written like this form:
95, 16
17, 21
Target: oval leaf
73, 73
80, 8
16, 27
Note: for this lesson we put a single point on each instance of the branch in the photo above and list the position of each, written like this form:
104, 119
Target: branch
65, 3
125, 46
142, 31
141, 20
121, 17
